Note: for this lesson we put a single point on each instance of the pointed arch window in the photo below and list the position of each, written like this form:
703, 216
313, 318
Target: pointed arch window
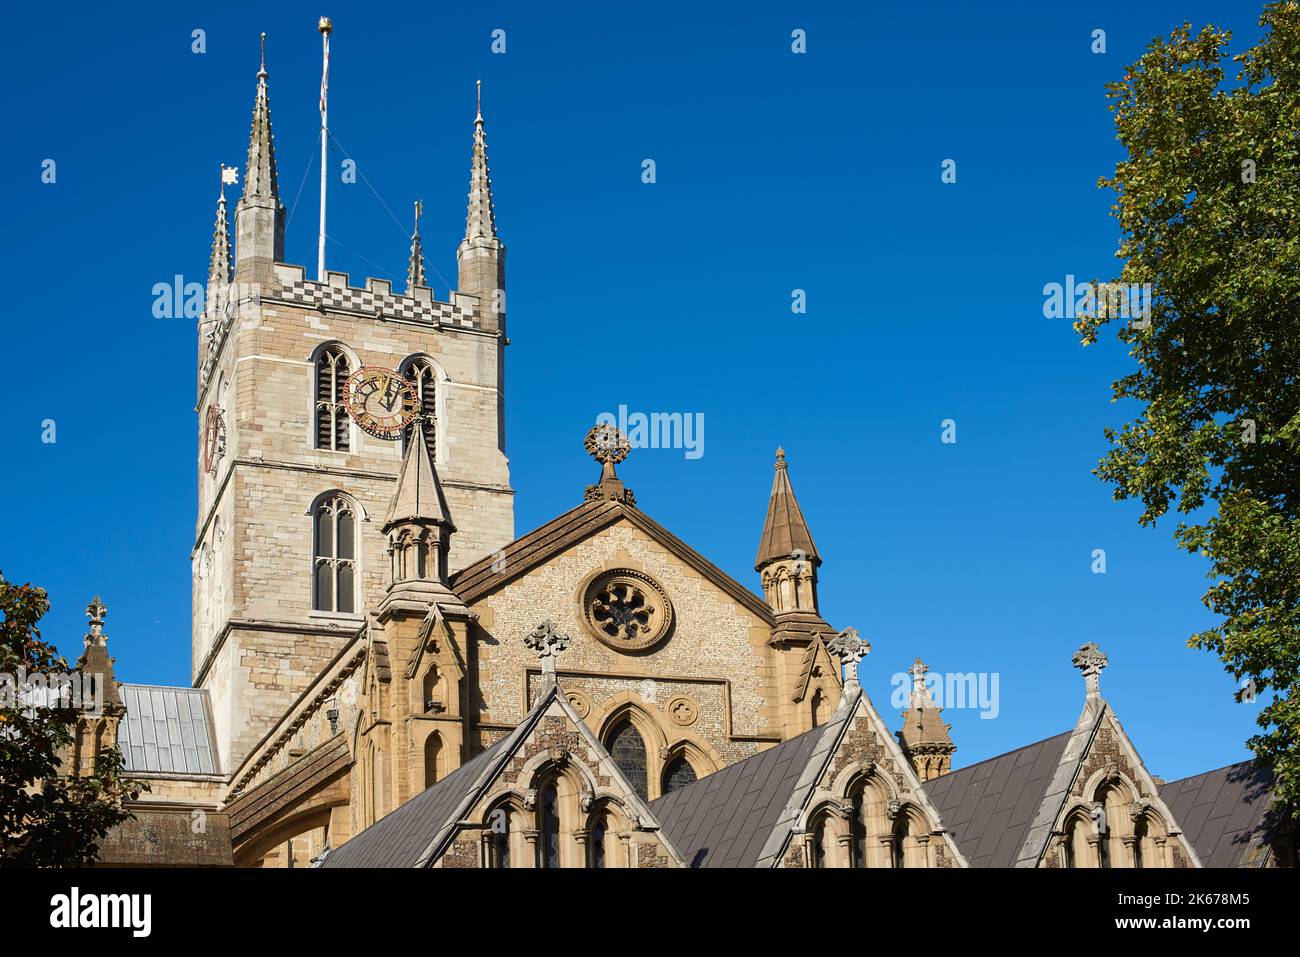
499, 837
596, 841
818, 708
858, 829
334, 561
432, 752
549, 821
332, 429
898, 847
677, 774
819, 844
421, 374
627, 748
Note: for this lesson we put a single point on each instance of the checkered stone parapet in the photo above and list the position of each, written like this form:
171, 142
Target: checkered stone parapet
371, 302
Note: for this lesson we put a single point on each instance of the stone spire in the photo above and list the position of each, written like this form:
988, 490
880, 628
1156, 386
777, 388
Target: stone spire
259, 214
1091, 661
608, 445
787, 558
415, 268
419, 528
924, 738
481, 258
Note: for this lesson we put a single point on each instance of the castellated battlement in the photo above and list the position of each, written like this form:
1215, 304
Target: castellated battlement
375, 300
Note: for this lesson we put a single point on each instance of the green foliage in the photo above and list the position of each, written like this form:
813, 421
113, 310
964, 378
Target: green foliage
47, 820
1218, 357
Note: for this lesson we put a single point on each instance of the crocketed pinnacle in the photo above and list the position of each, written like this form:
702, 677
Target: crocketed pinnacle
219, 273
415, 268
260, 180
481, 223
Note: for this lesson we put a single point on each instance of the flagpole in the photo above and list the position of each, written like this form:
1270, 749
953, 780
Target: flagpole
325, 26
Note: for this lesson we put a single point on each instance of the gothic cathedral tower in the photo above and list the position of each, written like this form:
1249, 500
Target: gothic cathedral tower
289, 552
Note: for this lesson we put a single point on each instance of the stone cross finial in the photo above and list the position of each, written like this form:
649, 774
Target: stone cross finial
850, 649
1090, 660
96, 611
548, 642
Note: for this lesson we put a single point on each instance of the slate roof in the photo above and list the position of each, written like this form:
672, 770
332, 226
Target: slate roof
725, 818
167, 730
400, 838
988, 807
1225, 814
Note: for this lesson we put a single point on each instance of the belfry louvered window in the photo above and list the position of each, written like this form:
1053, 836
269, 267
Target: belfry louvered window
334, 562
421, 375
331, 418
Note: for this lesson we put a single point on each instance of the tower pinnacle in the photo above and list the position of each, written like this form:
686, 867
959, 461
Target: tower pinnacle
481, 223
415, 268
259, 215
219, 262
481, 257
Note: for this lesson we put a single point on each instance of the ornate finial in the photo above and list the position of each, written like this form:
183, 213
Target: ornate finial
261, 71
850, 649
480, 98
546, 640
96, 611
325, 25
1090, 660
919, 670
780, 457
607, 444
419, 208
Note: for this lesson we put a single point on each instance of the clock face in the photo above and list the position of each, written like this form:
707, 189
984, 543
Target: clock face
380, 401
213, 439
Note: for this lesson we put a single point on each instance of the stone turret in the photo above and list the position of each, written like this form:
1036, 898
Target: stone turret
419, 530
924, 737
787, 558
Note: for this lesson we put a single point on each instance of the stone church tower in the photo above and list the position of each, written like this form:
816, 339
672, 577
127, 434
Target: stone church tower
291, 548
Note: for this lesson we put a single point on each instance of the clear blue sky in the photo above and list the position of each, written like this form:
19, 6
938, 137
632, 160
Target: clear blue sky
775, 172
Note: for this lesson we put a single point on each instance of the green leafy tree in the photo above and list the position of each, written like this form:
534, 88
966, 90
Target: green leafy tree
1209, 209
46, 820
